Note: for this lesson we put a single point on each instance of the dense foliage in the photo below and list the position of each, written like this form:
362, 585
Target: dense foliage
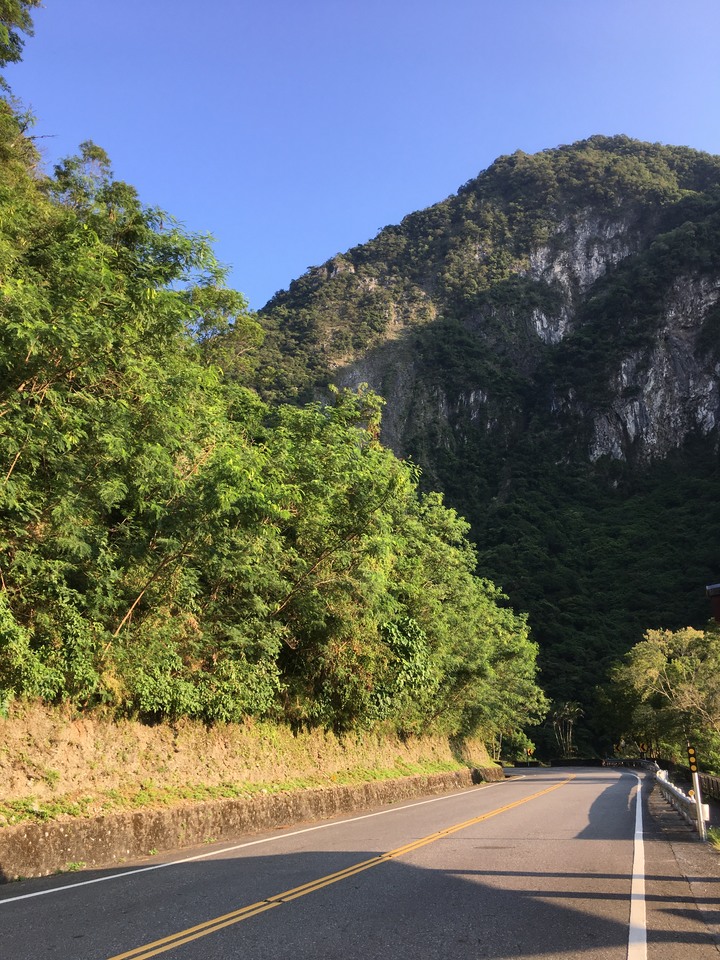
171, 545
15, 19
439, 314
668, 687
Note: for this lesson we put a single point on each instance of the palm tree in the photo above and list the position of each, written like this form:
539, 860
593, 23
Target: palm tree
564, 718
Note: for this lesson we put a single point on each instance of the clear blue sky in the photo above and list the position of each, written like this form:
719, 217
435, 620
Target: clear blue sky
294, 129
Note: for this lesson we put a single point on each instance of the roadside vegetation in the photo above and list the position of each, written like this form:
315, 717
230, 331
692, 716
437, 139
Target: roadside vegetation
174, 547
666, 694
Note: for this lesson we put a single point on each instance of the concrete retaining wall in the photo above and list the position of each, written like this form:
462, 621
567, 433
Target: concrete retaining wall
39, 849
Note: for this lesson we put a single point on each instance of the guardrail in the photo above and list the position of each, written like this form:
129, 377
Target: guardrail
638, 764
710, 785
686, 805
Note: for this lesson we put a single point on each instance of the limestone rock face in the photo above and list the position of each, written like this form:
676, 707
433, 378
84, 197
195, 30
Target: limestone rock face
668, 391
659, 394
591, 242
583, 248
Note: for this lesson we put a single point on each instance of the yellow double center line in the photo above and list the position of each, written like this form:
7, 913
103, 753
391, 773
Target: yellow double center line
244, 913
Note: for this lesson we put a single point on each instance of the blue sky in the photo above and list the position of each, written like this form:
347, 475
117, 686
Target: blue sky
294, 129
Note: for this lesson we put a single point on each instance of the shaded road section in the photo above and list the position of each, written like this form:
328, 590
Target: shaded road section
539, 866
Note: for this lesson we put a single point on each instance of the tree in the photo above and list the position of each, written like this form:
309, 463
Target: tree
675, 676
110, 416
15, 19
564, 717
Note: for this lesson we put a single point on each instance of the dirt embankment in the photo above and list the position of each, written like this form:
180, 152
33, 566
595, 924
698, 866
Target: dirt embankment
81, 791
50, 753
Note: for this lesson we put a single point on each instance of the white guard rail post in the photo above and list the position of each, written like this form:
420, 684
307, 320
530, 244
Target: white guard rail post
682, 802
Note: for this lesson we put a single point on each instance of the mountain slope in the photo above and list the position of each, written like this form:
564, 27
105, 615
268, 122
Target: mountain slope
547, 343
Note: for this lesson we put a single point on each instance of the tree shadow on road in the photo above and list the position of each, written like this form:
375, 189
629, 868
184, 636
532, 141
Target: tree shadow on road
390, 908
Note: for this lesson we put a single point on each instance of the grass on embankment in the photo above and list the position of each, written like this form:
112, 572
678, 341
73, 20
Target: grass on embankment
55, 764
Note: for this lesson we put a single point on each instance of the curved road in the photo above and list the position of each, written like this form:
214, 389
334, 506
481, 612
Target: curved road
549, 864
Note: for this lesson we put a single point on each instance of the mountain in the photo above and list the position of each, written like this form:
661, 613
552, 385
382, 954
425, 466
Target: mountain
547, 343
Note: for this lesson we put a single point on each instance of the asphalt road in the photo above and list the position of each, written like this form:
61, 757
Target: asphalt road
544, 865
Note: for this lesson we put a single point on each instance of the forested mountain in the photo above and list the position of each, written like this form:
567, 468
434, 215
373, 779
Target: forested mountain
547, 341
171, 545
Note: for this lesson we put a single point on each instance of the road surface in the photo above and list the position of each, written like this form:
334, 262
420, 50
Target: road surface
549, 864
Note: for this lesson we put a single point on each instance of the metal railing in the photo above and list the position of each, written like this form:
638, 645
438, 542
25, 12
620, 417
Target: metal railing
695, 813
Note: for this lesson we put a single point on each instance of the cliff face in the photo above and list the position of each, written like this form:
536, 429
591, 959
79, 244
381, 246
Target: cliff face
668, 391
548, 344
656, 395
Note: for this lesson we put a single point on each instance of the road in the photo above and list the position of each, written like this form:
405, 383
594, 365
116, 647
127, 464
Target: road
549, 864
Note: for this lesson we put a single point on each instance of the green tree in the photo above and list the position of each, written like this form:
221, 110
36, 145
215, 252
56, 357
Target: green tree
564, 719
15, 19
675, 677
109, 413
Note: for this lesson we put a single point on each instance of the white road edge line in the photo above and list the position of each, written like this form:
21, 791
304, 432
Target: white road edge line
637, 934
239, 846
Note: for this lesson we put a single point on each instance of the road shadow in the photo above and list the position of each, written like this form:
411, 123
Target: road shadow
455, 907
603, 820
